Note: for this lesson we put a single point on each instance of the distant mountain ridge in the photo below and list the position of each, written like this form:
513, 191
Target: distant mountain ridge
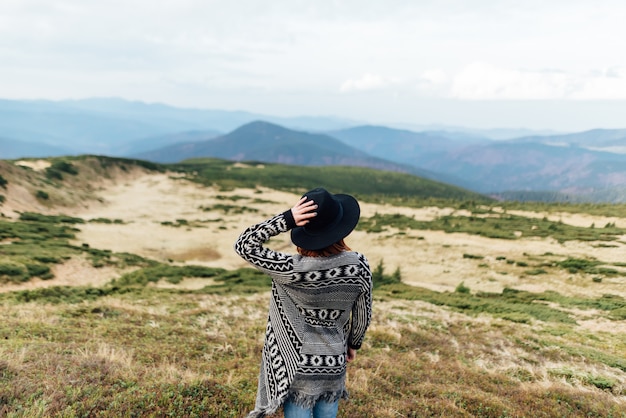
594, 138
506, 166
109, 126
147, 145
586, 165
266, 142
12, 149
399, 145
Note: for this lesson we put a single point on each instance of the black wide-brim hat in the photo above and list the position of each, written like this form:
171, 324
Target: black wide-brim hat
337, 215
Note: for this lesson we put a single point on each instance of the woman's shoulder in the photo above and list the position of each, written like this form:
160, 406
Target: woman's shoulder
362, 258
321, 263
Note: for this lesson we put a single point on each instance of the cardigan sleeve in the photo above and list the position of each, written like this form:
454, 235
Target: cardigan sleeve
362, 308
250, 245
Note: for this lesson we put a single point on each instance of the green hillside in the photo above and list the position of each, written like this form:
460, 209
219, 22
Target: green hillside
69, 180
366, 183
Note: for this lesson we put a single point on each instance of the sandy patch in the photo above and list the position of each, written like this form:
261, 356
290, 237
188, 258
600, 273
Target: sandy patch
37, 165
190, 283
441, 261
433, 259
173, 219
21, 200
147, 203
74, 272
438, 260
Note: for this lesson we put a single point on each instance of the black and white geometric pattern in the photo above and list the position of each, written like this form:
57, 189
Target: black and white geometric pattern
318, 307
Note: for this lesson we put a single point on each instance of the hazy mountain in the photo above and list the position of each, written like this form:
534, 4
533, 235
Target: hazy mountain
267, 142
11, 149
216, 119
509, 166
473, 134
590, 163
105, 126
554, 167
612, 140
82, 131
146, 145
398, 145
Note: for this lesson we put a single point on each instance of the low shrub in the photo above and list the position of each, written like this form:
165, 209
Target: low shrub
379, 278
57, 168
172, 274
55, 219
13, 273
39, 270
241, 281
461, 288
41, 195
473, 257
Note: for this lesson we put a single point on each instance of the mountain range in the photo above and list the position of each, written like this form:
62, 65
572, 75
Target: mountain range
267, 142
578, 166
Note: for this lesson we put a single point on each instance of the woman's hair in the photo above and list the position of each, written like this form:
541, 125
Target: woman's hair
333, 249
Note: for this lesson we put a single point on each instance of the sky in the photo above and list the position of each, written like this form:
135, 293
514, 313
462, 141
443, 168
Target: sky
538, 64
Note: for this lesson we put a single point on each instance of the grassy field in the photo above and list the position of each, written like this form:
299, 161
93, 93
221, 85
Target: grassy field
145, 343
135, 350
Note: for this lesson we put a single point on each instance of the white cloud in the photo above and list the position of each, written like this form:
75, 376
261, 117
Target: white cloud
603, 85
433, 83
247, 54
485, 81
367, 82
434, 76
482, 81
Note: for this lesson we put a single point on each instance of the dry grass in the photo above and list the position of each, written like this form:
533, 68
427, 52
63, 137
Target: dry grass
157, 353
173, 350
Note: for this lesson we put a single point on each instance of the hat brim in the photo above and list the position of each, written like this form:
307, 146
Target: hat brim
318, 240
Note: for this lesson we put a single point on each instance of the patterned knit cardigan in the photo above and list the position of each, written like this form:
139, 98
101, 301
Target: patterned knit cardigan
318, 307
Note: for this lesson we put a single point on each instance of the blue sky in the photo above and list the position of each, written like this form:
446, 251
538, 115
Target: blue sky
534, 64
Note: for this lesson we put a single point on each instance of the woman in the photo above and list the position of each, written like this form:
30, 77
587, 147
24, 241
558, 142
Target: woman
320, 305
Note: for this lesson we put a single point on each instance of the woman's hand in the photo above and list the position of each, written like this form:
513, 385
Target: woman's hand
351, 355
303, 211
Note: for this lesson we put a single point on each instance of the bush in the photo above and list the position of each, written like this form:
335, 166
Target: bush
574, 265
63, 294
461, 288
39, 270
3, 182
37, 217
601, 382
10, 270
12, 273
47, 259
379, 278
173, 274
104, 221
242, 281
473, 257
41, 195
56, 170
